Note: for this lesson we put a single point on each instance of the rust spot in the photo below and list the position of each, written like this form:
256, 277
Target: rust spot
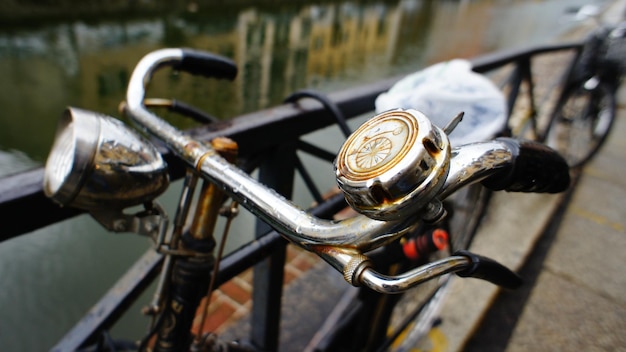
430, 146
380, 194
322, 249
191, 145
226, 147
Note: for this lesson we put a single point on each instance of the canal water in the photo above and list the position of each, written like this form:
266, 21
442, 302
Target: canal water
84, 59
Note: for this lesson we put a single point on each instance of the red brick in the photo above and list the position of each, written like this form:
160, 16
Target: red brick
302, 263
222, 312
291, 274
235, 291
292, 252
246, 276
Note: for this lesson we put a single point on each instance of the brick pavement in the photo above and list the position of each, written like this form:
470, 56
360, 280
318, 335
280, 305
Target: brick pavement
233, 300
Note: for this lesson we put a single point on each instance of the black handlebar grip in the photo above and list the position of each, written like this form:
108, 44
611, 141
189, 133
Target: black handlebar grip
207, 64
489, 270
535, 168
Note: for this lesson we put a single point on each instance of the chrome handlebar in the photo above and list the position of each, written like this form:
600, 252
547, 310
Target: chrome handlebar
299, 226
341, 243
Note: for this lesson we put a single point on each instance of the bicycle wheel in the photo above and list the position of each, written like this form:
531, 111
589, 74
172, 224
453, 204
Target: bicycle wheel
581, 123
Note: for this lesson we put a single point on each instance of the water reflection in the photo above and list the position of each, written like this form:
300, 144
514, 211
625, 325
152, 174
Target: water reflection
278, 50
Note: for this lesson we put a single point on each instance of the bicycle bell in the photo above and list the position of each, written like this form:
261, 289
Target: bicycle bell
393, 165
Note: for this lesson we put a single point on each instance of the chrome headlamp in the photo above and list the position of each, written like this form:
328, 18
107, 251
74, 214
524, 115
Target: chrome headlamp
96, 162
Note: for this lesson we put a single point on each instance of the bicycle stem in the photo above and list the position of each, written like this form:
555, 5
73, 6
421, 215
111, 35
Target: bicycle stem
350, 237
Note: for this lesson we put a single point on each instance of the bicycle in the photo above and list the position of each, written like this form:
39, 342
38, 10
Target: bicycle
575, 112
586, 110
99, 165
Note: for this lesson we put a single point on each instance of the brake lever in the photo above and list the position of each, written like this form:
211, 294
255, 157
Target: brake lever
358, 270
488, 269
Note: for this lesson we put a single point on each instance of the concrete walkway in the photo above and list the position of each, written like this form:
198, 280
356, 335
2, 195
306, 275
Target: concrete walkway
579, 300
575, 297
570, 250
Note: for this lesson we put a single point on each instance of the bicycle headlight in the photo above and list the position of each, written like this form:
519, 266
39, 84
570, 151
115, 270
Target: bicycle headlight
97, 162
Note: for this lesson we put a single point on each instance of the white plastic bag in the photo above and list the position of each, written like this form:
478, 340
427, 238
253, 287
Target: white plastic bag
442, 91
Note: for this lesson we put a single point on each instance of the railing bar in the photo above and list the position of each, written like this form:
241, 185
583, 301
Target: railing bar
276, 171
316, 151
488, 62
117, 300
308, 180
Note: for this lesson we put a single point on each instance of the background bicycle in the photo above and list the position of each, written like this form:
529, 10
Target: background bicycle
586, 110
581, 99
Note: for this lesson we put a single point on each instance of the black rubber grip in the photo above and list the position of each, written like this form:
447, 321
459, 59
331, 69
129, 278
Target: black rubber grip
207, 64
489, 270
535, 168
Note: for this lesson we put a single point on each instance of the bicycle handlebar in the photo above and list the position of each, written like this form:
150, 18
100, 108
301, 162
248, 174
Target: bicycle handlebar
206, 64
299, 226
536, 168
392, 199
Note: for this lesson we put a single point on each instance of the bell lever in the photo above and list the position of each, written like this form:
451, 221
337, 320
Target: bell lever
453, 123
